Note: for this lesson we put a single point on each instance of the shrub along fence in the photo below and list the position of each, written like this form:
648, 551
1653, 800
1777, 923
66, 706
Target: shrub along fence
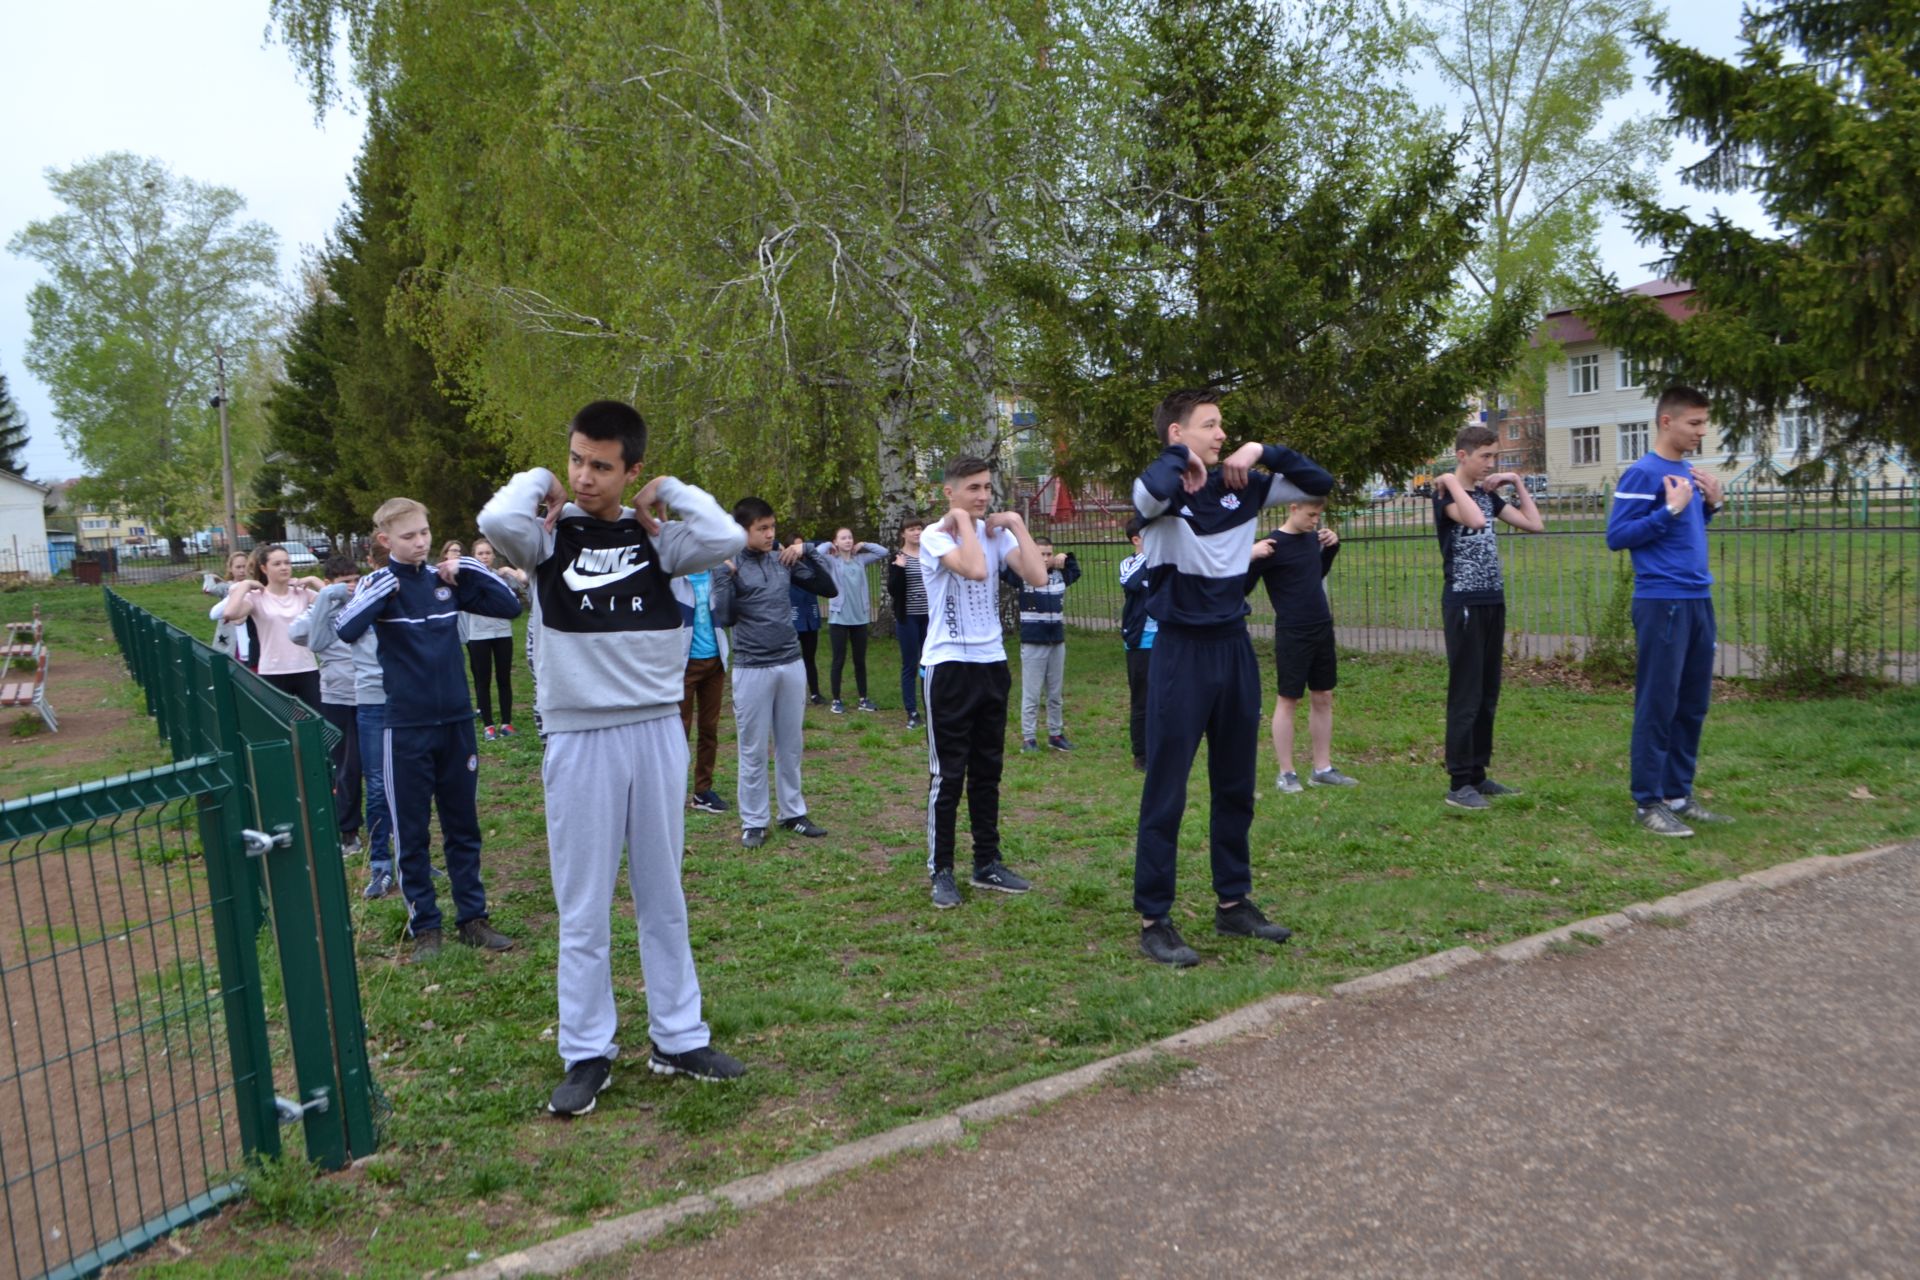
158, 1035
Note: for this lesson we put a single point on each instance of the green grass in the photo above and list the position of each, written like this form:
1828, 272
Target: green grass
858, 1008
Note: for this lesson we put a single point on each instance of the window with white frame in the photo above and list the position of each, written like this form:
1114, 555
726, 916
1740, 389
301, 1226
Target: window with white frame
1631, 373
1583, 375
1798, 430
1586, 446
1633, 441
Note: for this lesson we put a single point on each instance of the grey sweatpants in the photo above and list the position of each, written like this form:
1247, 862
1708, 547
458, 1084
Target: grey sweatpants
770, 701
608, 789
1043, 674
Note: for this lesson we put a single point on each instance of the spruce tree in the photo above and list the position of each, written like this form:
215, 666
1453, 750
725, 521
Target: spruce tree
13, 431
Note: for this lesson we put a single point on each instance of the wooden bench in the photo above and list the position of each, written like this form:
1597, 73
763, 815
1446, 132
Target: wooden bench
31, 693
23, 640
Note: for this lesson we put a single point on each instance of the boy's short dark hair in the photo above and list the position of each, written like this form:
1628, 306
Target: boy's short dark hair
1043, 537
1179, 405
613, 420
1136, 526
1678, 399
339, 566
970, 465
1474, 437
750, 511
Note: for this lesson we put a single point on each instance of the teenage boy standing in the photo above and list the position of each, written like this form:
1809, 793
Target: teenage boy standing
1660, 515
1293, 561
1204, 681
967, 678
1466, 502
1137, 629
609, 658
753, 595
1043, 646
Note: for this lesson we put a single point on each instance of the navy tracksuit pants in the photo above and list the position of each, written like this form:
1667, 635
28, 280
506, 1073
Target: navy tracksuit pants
435, 765
1672, 685
1200, 683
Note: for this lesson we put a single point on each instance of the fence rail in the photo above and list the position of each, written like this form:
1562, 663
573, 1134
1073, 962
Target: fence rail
1792, 568
142, 1062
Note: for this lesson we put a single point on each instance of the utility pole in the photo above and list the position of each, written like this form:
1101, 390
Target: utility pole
226, 447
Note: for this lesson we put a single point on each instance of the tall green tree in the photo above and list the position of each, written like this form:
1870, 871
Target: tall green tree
1819, 116
1270, 217
149, 273
13, 431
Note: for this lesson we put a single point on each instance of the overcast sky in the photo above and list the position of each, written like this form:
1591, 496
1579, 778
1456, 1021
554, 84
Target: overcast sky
195, 85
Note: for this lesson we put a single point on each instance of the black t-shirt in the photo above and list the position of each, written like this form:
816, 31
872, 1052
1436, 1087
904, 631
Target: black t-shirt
1471, 556
1292, 574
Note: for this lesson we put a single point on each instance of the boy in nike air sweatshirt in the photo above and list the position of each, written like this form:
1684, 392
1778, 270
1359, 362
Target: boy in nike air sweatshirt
609, 655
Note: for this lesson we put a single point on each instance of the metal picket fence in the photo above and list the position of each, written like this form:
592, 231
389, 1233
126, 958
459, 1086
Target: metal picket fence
1788, 563
146, 1056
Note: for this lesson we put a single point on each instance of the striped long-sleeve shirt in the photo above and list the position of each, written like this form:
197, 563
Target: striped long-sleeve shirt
1042, 609
1198, 544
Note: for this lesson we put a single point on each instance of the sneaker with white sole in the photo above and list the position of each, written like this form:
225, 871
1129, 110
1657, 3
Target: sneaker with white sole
706, 1064
1331, 777
586, 1080
1467, 798
1662, 821
1491, 789
706, 802
1693, 813
996, 875
1288, 783
946, 893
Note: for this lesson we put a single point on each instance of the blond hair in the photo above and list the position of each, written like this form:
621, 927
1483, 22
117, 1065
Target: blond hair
394, 510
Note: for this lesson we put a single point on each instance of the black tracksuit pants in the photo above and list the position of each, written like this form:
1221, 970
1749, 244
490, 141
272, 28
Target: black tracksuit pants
1200, 684
1476, 644
966, 749
434, 769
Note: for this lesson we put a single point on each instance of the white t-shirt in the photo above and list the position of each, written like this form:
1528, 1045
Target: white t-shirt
963, 616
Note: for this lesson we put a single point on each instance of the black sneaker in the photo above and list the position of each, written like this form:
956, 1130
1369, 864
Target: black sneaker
708, 802
1662, 821
706, 1064
1693, 813
945, 892
995, 875
803, 826
1161, 943
586, 1081
1139, 764
1058, 741
350, 846
913, 719
426, 946
1467, 798
1028, 744
479, 933
1243, 920
815, 700
1489, 788
753, 837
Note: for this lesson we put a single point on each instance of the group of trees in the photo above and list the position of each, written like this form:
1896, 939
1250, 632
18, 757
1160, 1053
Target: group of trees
817, 242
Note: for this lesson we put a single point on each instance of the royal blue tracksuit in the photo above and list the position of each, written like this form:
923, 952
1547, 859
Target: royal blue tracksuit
429, 756
1673, 623
1204, 680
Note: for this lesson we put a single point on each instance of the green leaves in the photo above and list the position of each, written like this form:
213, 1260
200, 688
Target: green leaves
1820, 117
148, 274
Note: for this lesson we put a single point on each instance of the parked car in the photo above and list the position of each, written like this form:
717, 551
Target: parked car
322, 547
299, 557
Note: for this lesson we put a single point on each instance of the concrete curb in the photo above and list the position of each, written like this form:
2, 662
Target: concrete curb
554, 1257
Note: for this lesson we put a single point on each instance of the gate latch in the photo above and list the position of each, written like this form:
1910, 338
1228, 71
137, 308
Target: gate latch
258, 842
291, 1112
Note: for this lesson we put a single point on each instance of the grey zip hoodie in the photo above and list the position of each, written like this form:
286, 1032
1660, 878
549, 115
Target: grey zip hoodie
369, 681
753, 600
605, 637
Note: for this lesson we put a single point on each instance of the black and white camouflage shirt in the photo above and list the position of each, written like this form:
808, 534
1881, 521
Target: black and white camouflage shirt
1471, 556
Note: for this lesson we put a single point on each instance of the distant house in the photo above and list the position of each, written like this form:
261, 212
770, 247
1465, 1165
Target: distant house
23, 528
1598, 408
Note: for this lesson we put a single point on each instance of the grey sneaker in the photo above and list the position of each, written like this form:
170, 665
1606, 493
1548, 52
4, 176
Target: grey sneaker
1289, 783
753, 837
945, 892
996, 876
1028, 744
1467, 798
1489, 788
1661, 821
379, 885
865, 704
1695, 813
586, 1080
838, 707
1331, 777
706, 1064
1161, 943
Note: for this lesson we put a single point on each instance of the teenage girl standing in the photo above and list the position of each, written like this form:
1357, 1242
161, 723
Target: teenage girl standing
272, 597
847, 613
490, 648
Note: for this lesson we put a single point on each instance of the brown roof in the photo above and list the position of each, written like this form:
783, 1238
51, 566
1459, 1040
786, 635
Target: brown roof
1563, 325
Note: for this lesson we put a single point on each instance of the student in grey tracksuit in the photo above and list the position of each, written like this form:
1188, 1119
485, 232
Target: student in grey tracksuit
337, 704
850, 612
751, 595
609, 657
370, 724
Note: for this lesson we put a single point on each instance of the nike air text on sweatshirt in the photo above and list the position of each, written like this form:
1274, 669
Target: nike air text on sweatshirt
605, 639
